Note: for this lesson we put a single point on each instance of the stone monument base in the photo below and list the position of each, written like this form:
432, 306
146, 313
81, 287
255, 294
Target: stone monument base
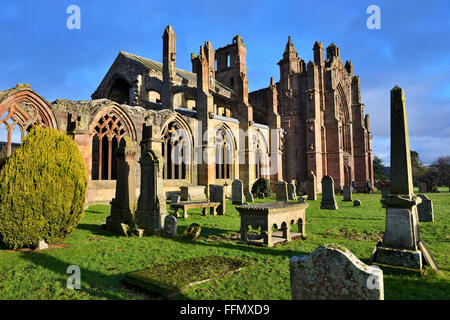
117, 226
151, 224
398, 257
329, 205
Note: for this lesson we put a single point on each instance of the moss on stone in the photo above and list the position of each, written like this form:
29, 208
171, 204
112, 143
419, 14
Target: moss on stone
171, 278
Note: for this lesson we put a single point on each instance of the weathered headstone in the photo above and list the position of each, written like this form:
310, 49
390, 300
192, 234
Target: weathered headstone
301, 200
237, 192
249, 197
311, 186
217, 194
170, 226
334, 273
175, 198
425, 209
151, 209
385, 191
400, 245
328, 198
357, 203
347, 192
291, 192
281, 191
193, 231
422, 187
123, 205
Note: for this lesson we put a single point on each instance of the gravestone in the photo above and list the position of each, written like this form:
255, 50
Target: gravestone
356, 203
217, 194
151, 208
175, 198
237, 192
301, 200
249, 197
311, 186
121, 219
422, 187
425, 209
328, 198
170, 226
291, 192
334, 273
385, 191
281, 191
347, 192
192, 231
400, 245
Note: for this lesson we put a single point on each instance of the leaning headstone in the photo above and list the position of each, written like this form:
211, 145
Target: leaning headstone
334, 273
356, 203
311, 186
400, 245
347, 192
123, 205
301, 200
328, 198
291, 192
193, 231
425, 209
170, 226
237, 192
217, 194
281, 191
249, 197
422, 187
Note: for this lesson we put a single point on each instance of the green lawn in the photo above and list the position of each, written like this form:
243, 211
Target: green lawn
105, 258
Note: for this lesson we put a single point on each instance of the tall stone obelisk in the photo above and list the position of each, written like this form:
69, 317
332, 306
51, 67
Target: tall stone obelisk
401, 244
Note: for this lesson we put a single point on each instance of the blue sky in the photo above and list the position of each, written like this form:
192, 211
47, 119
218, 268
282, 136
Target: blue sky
412, 49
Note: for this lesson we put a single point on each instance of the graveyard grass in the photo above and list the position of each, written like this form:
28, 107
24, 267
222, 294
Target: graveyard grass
105, 258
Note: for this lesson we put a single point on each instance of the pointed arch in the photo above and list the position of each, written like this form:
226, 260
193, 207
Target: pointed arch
225, 152
108, 126
177, 149
20, 110
344, 116
261, 154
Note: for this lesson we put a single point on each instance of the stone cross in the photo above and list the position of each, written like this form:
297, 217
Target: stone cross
334, 273
237, 192
124, 203
151, 209
311, 186
217, 194
400, 245
281, 191
292, 195
328, 198
347, 191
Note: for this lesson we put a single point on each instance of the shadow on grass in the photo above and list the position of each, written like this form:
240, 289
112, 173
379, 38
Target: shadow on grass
96, 284
415, 287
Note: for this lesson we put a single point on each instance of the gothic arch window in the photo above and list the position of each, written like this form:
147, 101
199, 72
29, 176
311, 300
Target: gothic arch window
261, 157
224, 154
176, 150
106, 137
18, 114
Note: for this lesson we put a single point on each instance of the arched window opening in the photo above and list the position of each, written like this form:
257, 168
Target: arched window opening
175, 152
120, 91
228, 61
12, 132
106, 138
224, 155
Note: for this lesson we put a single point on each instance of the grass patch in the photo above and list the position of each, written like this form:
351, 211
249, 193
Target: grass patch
172, 278
105, 258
